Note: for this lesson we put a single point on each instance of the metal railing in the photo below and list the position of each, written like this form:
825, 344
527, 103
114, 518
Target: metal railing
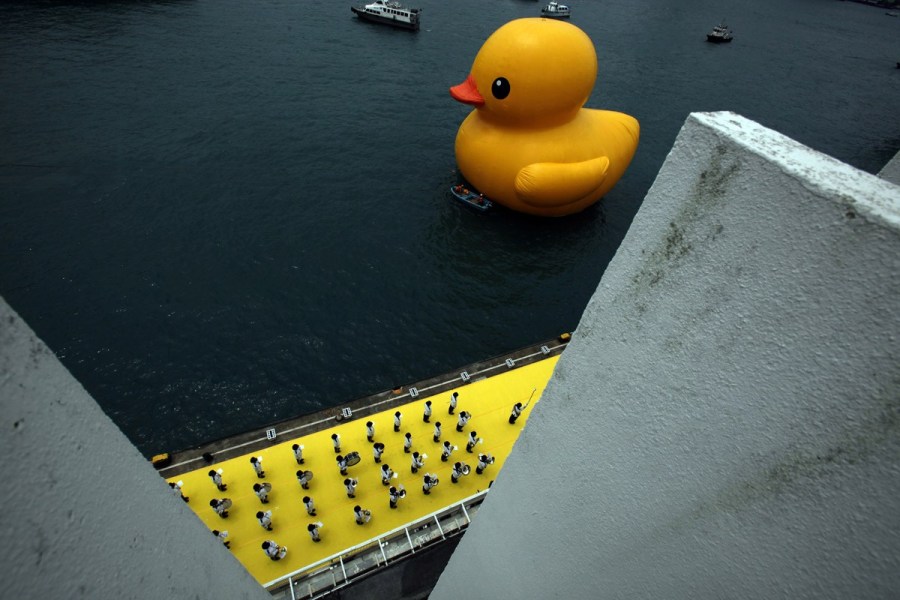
334, 572
463, 377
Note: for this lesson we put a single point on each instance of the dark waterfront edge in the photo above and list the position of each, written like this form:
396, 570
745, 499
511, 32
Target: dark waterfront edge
877, 3
181, 461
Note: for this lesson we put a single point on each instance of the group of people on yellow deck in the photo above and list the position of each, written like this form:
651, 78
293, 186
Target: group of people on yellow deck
395, 494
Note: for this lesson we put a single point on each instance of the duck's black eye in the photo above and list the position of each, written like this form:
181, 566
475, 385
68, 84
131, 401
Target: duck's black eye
500, 88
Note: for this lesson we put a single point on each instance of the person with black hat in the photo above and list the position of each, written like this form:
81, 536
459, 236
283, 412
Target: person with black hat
446, 451
216, 477
256, 463
265, 519
516, 411
418, 461
336, 442
313, 529
262, 491
304, 477
221, 506
459, 469
454, 398
397, 416
176, 489
473, 439
310, 506
463, 419
273, 550
362, 515
386, 474
370, 431
407, 442
351, 484
377, 451
341, 463
426, 416
298, 453
483, 461
429, 481
396, 495
222, 535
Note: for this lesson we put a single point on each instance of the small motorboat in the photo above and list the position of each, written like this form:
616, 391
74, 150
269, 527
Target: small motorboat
467, 196
720, 34
555, 10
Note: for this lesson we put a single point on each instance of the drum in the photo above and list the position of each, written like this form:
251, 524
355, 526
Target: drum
352, 459
226, 504
308, 475
465, 469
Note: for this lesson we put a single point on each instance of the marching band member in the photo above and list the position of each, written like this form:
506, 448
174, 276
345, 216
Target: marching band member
447, 451
463, 419
265, 519
483, 461
429, 481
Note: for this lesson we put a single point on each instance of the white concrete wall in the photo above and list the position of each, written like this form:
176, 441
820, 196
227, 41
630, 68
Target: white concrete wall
726, 421
82, 513
891, 171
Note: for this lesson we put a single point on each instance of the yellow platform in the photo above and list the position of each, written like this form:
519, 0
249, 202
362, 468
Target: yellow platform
488, 400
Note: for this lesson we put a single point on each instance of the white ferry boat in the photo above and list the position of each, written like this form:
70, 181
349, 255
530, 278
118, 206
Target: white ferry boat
388, 12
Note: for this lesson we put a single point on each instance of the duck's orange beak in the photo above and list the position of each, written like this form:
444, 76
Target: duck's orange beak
467, 93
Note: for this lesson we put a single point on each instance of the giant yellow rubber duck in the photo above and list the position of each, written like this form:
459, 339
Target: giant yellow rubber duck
529, 144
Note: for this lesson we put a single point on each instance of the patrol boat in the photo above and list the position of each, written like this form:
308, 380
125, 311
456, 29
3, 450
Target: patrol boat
388, 12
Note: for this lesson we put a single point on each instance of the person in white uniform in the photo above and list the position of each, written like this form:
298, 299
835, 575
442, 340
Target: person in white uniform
298, 453
216, 477
262, 491
362, 515
256, 463
265, 519
351, 484
273, 550
310, 506
428, 482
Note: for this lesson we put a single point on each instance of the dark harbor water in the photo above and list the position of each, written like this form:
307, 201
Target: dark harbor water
222, 213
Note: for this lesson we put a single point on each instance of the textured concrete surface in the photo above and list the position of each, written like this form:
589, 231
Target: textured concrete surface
891, 171
726, 420
82, 513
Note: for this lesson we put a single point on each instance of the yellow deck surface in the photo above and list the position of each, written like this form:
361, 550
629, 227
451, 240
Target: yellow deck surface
488, 400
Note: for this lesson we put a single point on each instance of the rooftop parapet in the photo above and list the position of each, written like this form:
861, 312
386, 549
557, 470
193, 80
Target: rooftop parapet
726, 419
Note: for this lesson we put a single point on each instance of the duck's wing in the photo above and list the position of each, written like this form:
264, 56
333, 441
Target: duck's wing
556, 184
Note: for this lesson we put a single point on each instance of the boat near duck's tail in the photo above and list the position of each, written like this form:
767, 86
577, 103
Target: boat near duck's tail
555, 10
